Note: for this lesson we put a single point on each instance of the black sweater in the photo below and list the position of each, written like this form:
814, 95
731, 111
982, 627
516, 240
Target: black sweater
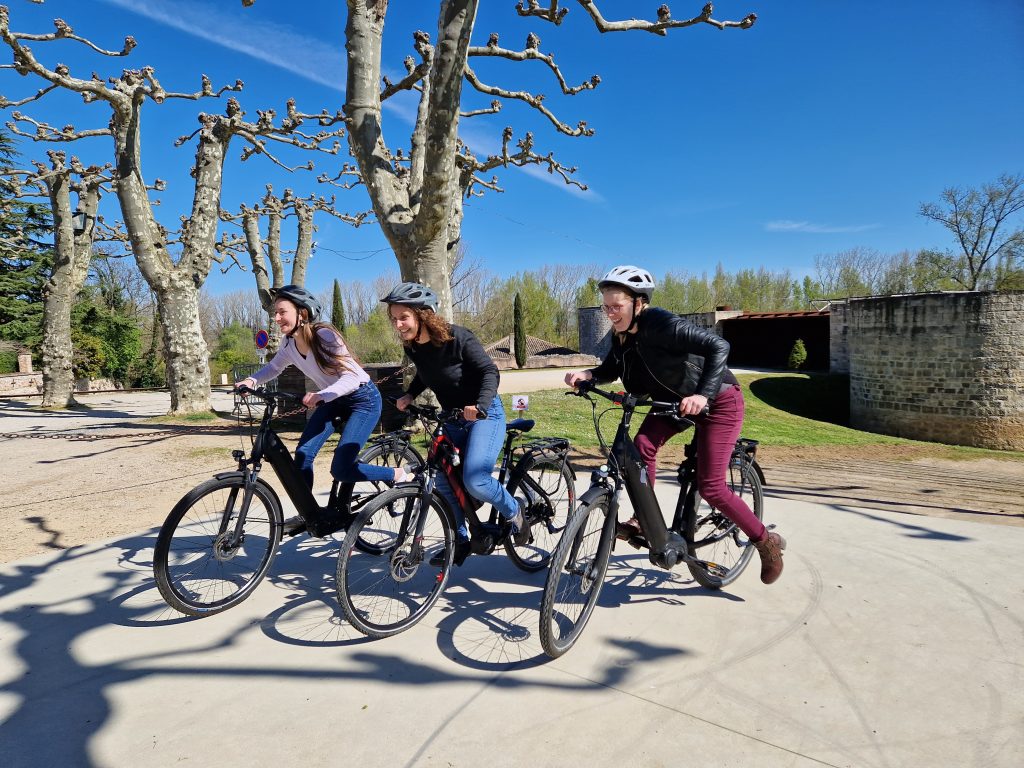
459, 371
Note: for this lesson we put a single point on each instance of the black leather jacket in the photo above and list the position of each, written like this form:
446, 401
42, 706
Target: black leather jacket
684, 358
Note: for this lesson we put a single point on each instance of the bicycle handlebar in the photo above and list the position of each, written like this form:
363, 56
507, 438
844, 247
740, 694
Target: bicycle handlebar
658, 407
433, 413
266, 395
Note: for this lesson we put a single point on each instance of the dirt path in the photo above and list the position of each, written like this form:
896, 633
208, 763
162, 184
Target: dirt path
61, 492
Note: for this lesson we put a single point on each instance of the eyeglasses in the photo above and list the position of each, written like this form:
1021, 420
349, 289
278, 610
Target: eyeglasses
614, 309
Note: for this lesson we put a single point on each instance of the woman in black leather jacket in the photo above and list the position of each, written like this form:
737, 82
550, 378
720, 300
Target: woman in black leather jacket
660, 355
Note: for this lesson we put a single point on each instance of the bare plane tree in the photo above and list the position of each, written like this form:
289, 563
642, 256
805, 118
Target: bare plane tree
175, 281
72, 249
276, 210
416, 194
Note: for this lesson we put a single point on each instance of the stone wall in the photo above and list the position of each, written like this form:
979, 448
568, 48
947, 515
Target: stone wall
947, 367
838, 342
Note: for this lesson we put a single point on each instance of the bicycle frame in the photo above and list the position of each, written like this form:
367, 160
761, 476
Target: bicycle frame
626, 468
443, 455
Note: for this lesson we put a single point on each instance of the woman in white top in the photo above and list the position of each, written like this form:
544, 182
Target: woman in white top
343, 388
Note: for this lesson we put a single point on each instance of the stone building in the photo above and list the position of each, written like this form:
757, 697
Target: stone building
946, 366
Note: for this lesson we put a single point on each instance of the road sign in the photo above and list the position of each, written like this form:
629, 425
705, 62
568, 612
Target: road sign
262, 339
520, 402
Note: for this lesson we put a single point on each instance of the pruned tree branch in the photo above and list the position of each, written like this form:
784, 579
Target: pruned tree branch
532, 52
535, 101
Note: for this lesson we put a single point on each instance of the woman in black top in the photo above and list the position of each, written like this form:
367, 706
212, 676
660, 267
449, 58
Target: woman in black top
451, 361
658, 354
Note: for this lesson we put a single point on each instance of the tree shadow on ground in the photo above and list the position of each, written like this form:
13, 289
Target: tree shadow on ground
822, 397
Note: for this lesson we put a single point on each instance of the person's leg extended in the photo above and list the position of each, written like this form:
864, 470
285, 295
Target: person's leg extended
482, 448
716, 439
364, 407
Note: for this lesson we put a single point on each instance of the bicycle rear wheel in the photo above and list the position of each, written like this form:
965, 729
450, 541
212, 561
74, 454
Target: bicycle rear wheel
719, 541
201, 566
576, 575
549, 490
385, 580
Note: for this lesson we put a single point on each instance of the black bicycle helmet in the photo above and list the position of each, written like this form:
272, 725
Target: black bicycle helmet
634, 279
301, 298
412, 295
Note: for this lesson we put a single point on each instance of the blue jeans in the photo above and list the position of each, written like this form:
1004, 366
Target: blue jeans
479, 444
361, 408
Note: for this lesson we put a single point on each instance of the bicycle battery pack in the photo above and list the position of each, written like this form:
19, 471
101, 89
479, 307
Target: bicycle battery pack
665, 545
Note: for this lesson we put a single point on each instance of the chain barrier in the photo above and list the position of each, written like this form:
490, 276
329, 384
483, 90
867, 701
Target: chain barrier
170, 429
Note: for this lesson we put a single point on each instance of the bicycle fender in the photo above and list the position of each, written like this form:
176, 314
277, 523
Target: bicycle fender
240, 476
590, 496
760, 474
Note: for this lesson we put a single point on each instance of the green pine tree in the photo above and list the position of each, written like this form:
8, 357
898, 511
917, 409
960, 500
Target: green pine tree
797, 356
24, 260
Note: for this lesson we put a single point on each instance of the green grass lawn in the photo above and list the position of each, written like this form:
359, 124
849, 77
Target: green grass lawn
783, 409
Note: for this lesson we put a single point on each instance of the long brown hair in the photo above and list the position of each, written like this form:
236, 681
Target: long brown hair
438, 329
310, 332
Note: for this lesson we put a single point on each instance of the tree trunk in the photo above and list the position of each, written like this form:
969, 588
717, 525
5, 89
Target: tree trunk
71, 265
187, 356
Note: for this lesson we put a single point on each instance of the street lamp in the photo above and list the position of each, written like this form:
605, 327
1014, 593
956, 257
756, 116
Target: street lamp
79, 221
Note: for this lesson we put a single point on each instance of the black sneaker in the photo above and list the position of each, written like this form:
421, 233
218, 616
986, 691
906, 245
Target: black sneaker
520, 528
462, 550
293, 526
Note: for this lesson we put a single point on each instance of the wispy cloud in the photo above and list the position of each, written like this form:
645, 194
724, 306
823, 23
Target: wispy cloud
307, 57
785, 225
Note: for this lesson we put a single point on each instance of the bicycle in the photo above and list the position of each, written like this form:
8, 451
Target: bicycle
580, 560
219, 540
387, 587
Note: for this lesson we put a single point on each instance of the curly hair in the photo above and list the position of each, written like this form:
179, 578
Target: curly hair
438, 329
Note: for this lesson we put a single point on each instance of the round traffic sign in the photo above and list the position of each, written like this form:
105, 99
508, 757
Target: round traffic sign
262, 339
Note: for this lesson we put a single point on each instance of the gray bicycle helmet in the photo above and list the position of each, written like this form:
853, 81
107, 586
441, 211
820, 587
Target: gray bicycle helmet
634, 279
301, 298
412, 295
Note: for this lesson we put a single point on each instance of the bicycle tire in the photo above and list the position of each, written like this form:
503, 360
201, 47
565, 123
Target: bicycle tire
718, 540
388, 588
576, 574
549, 489
359, 493
197, 571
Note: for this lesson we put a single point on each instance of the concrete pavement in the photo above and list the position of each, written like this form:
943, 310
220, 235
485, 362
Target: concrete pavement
891, 640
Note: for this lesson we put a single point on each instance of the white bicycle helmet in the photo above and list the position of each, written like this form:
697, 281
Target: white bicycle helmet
634, 279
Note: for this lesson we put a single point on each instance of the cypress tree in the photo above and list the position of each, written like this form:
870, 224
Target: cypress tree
519, 332
338, 309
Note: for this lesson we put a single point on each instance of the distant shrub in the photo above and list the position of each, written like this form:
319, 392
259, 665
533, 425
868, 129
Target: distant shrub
797, 355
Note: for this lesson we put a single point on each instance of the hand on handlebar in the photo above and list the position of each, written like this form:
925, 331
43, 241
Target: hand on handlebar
693, 405
247, 383
576, 378
403, 402
472, 413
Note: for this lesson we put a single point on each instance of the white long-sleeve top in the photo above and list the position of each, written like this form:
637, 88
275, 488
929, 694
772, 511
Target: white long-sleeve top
331, 386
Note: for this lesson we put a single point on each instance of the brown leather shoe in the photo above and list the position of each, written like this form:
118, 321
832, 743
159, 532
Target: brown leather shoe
770, 549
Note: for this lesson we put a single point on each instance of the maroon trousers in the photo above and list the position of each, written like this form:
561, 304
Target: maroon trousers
716, 437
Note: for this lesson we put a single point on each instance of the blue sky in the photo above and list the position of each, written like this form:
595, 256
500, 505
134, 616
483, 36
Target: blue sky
820, 129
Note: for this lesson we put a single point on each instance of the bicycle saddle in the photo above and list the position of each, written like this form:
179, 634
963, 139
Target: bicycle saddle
520, 425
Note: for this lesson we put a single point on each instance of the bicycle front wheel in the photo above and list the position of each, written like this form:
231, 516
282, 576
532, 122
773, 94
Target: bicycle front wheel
716, 539
576, 575
395, 561
213, 550
549, 490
